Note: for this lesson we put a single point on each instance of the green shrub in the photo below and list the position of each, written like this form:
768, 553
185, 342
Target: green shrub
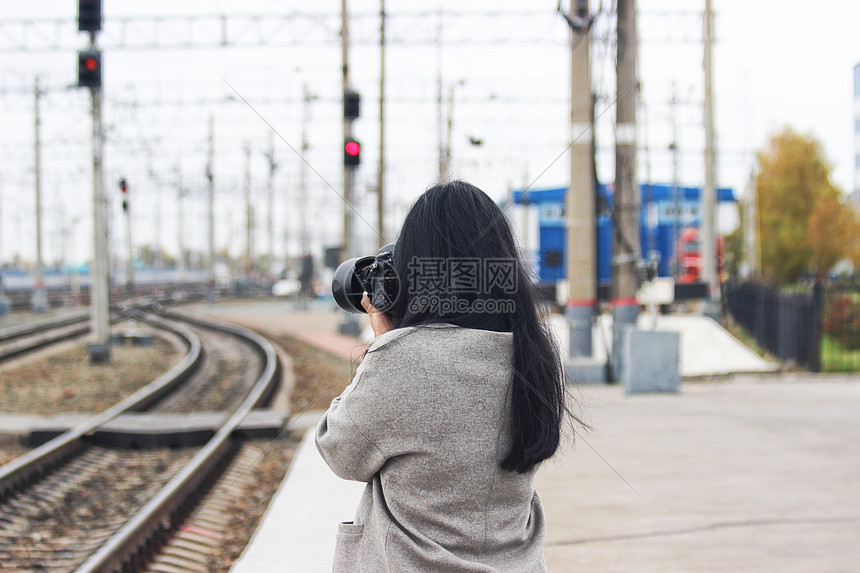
842, 321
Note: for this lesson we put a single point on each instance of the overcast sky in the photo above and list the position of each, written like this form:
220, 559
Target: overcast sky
776, 64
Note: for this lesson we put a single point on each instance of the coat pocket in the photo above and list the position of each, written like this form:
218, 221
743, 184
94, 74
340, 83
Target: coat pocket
346, 547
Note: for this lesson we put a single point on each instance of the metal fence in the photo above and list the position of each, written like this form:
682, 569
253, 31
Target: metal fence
786, 323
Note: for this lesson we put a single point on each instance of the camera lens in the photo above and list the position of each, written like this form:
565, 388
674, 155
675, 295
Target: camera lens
346, 285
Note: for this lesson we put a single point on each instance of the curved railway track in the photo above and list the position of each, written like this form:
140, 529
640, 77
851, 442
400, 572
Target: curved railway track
26, 338
118, 505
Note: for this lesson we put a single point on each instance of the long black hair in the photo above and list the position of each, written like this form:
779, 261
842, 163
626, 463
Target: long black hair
453, 230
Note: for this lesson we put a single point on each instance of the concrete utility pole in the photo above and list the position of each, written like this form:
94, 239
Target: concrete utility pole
99, 273
676, 191
158, 259
380, 177
210, 176
270, 216
751, 266
625, 236
449, 129
129, 243
348, 174
442, 174
180, 235
579, 201
708, 231
249, 216
303, 174
40, 299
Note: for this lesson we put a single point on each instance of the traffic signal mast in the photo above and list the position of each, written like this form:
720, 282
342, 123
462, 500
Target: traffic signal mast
90, 76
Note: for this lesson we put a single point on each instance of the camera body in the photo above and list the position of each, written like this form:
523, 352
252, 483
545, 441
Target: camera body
374, 274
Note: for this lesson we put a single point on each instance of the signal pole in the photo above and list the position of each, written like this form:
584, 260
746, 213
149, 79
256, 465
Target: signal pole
579, 201
625, 236
40, 300
99, 278
350, 325
380, 178
348, 173
126, 207
708, 230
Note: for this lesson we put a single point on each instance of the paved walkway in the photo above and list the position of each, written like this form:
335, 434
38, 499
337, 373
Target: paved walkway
757, 474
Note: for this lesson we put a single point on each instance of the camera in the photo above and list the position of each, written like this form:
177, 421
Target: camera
374, 274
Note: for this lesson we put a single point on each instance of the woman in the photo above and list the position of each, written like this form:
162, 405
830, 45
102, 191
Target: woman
458, 400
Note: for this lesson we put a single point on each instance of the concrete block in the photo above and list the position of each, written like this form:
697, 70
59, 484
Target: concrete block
651, 361
584, 370
99, 353
5, 306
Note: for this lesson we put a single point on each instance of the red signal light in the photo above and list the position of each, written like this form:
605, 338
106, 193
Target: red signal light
91, 64
352, 148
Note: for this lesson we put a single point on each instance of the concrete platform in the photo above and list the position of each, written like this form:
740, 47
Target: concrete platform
146, 430
755, 473
707, 349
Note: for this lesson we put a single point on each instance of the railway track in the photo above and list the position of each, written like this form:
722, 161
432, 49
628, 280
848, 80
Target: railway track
27, 338
76, 505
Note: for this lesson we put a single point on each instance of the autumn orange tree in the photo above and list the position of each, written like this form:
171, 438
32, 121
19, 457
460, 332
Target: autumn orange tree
804, 227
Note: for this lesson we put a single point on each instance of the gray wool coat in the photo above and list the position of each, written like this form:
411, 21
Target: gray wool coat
425, 424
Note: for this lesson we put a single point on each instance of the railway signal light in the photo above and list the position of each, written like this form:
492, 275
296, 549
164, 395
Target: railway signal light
89, 15
90, 69
351, 153
123, 187
351, 101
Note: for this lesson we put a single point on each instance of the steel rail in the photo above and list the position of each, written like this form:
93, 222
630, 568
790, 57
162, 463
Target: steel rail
29, 467
145, 532
35, 327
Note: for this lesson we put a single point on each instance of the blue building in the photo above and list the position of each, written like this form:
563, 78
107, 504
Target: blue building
662, 215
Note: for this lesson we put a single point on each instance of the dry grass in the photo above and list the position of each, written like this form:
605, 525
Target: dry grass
65, 381
320, 376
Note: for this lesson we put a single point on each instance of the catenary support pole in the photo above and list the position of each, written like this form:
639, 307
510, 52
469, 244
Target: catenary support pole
249, 217
210, 215
303, 174
708, 230
40, 299
676, 191
99, 273
270, 190
180, 226
625, 238
380, 177
579, 201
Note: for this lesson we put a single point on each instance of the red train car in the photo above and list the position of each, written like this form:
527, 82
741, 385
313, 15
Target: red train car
688, 256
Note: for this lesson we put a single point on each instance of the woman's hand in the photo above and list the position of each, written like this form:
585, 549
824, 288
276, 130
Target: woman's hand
378, 321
